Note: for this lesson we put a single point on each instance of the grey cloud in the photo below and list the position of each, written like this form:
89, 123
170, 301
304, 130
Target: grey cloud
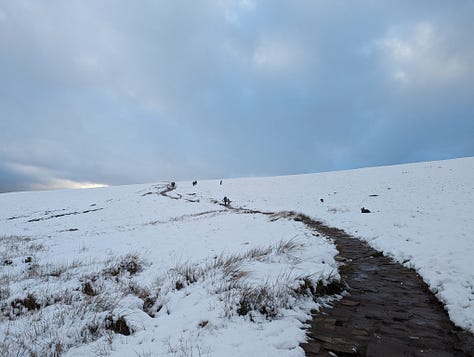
122, 92
12, 181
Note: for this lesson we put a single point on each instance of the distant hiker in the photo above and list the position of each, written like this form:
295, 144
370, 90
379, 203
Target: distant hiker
226, 201
173, 184
322, 200
220, 183
364, 210
195, 183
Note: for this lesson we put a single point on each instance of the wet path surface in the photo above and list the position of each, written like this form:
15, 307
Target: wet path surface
388, 311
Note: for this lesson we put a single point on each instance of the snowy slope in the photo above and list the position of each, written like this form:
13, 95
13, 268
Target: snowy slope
196, 261
422, 216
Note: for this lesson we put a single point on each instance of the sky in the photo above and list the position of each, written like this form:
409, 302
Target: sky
118, 92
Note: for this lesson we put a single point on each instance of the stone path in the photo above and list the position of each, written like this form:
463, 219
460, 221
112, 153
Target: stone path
389, 310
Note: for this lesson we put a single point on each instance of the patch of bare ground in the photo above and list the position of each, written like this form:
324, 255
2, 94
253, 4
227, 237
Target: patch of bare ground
62, 215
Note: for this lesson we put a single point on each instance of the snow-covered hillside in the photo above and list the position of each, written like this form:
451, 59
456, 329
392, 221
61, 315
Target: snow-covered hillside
187, 276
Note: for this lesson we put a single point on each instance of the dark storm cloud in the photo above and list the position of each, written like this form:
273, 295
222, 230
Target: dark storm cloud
120, 92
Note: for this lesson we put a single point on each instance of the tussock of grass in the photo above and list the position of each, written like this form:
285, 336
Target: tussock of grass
203, 323
88, 289
229, 265
225, 277
130, 263
266, 299
118, 325
287, 247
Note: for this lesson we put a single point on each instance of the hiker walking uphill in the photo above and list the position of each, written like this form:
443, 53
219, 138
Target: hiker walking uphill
226, 201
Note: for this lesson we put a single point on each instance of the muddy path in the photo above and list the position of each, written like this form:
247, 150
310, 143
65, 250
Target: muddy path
388, 309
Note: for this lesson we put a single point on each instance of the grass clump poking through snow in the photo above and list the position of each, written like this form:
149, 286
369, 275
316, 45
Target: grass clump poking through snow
63, 308
267, 299
29, 303
118, 325
231, 280
271, 296
50, 330
130, 263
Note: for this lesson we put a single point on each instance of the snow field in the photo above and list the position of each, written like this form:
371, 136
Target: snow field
421, 215
212, 281
186, 280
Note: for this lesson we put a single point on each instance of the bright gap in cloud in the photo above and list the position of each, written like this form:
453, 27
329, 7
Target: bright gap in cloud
48, 179
54, 184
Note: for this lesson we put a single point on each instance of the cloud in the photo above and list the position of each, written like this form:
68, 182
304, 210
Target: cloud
65, 184
18, 177
422, 57
281, 55
120, 92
